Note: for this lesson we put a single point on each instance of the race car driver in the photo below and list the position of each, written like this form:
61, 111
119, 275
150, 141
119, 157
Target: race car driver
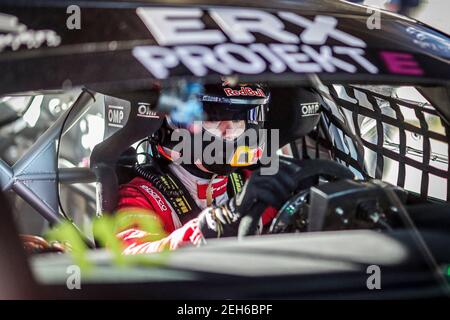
199, 199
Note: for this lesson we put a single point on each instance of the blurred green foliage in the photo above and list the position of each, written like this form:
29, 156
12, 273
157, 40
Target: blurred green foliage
105, 230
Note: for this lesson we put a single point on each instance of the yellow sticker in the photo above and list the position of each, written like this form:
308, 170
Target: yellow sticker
242, 157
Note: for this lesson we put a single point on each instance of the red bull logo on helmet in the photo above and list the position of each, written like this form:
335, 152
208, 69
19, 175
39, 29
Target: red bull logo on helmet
244, 91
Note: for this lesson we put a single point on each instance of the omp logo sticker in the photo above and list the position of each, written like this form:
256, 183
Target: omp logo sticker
144, 111
115, 116
14, 35
309, 46
156, 197
309, 109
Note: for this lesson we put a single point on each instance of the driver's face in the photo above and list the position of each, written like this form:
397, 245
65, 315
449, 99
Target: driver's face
225, 129
228, 130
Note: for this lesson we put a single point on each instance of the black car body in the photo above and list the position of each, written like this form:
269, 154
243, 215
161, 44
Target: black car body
125, 50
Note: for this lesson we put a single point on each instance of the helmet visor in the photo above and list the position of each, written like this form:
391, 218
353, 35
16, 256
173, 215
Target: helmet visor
220, 108
227, 130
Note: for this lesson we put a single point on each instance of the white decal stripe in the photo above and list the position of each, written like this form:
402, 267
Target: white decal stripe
115, 125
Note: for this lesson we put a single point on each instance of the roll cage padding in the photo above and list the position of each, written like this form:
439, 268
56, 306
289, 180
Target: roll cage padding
105, 155
295, 112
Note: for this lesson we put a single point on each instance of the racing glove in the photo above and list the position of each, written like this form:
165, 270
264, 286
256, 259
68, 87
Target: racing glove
135, 243
259, 192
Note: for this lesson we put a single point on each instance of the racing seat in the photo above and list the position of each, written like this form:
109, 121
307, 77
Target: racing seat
295, 112
138, 121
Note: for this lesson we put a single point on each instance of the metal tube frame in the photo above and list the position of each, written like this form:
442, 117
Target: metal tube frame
34, 176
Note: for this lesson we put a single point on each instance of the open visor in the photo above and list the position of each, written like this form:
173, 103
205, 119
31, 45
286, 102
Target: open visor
220, 108
227, 129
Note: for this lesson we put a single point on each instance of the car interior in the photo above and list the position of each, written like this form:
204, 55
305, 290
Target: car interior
343, 218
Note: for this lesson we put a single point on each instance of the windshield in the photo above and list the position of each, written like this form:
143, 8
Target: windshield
392, 137
224, 150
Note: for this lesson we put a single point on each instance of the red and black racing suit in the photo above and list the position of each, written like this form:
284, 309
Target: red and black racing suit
142, 194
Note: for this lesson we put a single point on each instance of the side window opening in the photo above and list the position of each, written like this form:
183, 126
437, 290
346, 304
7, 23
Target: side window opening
400, 137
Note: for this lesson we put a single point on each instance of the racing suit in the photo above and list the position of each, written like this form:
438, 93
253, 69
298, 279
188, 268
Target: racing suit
140, 193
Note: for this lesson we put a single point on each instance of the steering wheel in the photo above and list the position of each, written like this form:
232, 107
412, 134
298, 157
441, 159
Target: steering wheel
309, 175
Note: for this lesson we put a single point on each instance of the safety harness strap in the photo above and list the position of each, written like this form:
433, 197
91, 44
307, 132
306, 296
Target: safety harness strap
185, 205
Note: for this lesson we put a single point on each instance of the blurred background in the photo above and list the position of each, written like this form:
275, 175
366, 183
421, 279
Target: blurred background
432, 12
